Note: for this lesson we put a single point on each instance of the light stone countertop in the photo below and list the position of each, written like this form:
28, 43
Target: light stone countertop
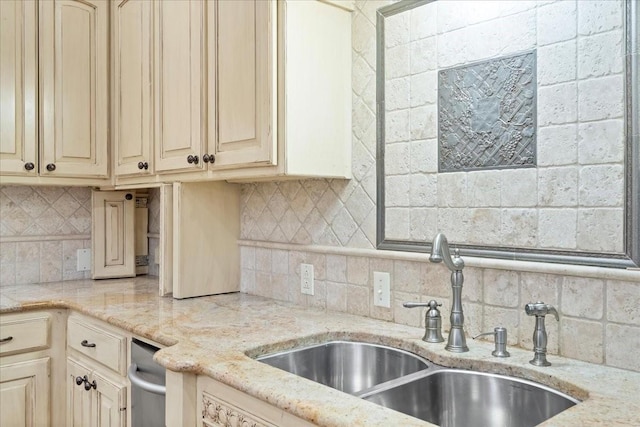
213, 335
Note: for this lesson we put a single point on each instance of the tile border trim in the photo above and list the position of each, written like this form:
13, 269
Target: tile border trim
632, 275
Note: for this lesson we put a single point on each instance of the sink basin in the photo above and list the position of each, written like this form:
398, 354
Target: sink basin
347, 366
452, 397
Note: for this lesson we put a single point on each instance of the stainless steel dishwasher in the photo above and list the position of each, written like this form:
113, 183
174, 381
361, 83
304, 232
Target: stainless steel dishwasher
147, 386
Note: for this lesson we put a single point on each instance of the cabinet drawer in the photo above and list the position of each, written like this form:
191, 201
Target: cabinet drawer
24, 332
102, 345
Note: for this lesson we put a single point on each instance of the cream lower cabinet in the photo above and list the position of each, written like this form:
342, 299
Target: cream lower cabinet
32, 368
25, 393
93, 398
95, 378
54, 121
221, 405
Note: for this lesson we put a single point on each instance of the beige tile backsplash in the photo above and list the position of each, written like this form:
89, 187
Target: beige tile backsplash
41, 229
599, 318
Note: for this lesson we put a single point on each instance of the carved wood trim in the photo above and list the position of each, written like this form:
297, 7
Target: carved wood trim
216, 412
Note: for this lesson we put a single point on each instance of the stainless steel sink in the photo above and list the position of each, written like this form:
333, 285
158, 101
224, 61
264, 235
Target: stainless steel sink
347, 366
407, 383
450, 397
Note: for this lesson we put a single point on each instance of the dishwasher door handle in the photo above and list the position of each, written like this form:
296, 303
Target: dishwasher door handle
136, 380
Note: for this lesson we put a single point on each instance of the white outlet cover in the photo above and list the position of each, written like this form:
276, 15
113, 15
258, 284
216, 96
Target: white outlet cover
381, 289
84, 259
306, 279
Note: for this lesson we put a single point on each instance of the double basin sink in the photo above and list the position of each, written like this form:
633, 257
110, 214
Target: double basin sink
410, 384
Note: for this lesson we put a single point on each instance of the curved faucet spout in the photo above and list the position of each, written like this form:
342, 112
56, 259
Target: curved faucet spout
440, 252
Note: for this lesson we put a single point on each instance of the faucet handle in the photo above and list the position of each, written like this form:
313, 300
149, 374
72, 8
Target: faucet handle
540, 309
500, 338
432, 304
432, 320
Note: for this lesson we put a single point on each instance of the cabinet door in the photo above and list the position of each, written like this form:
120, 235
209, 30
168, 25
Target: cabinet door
112, 234
102, 406
242, 82
110, 402
180, 125
18, 86
74, 87
24, 393
206, 227
78, 399
131, 26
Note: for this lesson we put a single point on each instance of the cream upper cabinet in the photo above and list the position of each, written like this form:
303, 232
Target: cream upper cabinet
283, 107
132, 101
74, 68
180, 88
254, 90
53, 86
242, 98
18, 88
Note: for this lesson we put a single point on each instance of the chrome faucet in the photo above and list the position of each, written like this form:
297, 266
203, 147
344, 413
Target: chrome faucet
540, 310
440, 252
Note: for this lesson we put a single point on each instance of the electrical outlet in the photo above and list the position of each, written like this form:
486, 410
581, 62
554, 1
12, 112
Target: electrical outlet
306, 279
381, 289
83, 257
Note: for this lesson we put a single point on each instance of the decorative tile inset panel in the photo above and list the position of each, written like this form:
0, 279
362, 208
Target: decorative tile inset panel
486, 114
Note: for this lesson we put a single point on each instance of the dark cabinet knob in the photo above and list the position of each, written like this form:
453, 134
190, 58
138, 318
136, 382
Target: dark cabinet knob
80, 380
89, 385
143, 165
86, 343
51, 167
127, 196
192, 159
209, 158
29, 166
